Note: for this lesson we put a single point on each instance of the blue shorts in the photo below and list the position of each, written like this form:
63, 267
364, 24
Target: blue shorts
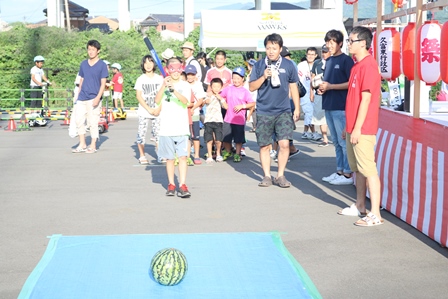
171, 145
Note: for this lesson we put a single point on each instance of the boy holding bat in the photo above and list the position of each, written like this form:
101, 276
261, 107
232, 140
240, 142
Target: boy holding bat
174, 96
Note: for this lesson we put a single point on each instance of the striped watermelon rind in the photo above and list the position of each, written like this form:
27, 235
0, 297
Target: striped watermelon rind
169, 266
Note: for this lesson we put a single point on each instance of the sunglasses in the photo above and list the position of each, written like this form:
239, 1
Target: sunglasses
175, 68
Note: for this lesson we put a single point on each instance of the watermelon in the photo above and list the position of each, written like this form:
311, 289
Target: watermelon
168, 266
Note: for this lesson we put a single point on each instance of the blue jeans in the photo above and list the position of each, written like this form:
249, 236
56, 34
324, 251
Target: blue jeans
336, 124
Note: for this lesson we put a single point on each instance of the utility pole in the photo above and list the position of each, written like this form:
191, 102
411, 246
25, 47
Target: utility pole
67, 16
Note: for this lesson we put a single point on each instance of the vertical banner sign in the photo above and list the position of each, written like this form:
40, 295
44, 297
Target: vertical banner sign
389, 53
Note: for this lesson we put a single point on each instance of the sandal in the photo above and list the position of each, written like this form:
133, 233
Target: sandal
282, 182
90, 151
266, 182
143, 161
369, 220
78, 150
351, 211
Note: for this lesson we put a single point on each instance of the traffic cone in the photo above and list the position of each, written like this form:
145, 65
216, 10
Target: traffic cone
11, 125
66, 118
111, 117
66, 121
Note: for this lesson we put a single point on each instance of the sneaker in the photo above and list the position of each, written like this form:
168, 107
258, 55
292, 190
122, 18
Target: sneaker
294, 153
309, 135
273, 154
342, 180
236, 158
316, 137
243, 152
305, 135
190, 162
183, 191
219, 159
210, 160
323, 144
197, 161
171, 190
330, 177
226, 155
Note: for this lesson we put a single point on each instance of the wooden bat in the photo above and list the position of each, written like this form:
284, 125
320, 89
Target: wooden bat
154, 55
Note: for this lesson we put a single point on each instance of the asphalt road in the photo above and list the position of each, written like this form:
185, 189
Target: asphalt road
46, 190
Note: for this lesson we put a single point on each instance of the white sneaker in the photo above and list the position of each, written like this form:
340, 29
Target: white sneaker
330, 177
218, 159
316, 136
243, 152
305, 135
273, 154
309, 135
342, 180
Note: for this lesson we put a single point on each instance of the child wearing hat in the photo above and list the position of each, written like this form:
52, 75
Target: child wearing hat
198, 97
117, 82
236, 99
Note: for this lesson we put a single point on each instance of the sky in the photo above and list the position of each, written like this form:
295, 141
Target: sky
31, 11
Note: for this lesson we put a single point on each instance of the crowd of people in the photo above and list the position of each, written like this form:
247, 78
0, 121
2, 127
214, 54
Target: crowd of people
342, 96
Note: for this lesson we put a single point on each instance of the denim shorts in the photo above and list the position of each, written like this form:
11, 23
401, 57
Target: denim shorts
171, 145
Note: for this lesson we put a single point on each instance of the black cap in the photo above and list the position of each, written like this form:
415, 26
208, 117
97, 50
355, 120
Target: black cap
324, 48
285, 52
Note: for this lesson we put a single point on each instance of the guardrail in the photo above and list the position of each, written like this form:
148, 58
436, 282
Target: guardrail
53, 107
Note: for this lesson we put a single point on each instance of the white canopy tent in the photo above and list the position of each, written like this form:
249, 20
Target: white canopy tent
245, 30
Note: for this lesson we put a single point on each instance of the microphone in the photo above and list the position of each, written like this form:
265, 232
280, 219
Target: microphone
269, 66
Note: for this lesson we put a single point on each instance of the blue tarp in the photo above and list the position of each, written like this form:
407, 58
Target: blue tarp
223, 265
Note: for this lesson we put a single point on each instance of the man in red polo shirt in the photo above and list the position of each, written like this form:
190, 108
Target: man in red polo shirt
361, 110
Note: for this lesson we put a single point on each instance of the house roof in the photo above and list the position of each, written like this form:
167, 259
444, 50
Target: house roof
113, 23
161, 18
282, 6
75, 10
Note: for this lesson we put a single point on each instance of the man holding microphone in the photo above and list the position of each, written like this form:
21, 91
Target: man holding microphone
274, 78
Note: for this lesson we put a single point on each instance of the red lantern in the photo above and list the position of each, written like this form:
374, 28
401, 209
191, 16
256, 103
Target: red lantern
388, 53
351, 2
408, 50
444, 53
428, 52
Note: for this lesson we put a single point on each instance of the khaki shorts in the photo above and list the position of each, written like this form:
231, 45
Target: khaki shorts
361, 156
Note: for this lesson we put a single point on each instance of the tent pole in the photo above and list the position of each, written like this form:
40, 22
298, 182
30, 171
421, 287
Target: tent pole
418, 24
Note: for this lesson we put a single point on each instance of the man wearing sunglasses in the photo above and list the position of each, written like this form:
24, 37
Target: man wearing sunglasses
174, 96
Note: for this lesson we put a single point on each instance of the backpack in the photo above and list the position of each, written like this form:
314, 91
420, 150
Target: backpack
203, 72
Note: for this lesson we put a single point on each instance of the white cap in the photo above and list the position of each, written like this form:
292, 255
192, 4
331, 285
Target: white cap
168, 53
